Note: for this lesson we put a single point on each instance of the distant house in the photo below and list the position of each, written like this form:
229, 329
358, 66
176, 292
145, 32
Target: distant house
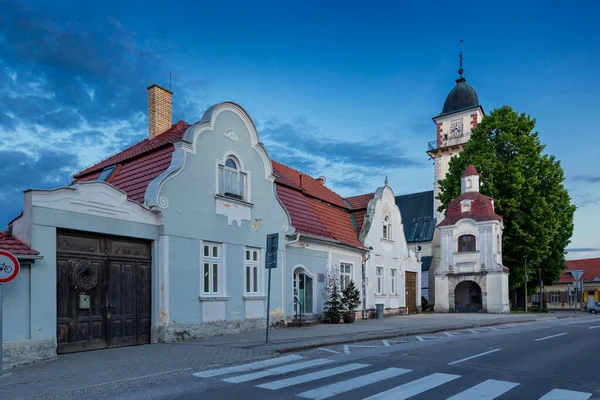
558, 297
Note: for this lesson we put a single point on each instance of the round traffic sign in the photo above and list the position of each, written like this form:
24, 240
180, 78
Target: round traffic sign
9, 267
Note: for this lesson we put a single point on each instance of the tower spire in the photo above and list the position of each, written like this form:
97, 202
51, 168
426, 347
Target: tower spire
460, 70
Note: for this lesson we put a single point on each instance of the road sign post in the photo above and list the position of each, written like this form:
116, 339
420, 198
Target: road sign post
576, 274
9, 269
270, 263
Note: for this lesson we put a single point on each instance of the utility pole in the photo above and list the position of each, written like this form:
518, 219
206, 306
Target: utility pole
541, 301
526, 279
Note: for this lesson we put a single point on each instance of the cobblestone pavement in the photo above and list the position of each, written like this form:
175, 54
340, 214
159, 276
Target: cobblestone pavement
80, 370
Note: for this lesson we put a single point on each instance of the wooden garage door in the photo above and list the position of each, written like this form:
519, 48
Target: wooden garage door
411, 292
103, 291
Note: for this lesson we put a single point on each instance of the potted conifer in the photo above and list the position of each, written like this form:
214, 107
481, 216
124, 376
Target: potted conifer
350, 300
333, 306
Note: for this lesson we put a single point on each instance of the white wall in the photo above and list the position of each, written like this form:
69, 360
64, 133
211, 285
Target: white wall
387, 254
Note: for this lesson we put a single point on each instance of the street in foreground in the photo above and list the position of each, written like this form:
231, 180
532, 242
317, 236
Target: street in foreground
550, 360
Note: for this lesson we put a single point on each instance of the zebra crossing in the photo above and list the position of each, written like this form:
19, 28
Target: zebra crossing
291, 364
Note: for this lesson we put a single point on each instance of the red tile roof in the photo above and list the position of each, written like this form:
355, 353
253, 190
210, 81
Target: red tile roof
359, 204
138, 149
481, 209
590, 267
360, 201
470, 170
15, 246
314, 209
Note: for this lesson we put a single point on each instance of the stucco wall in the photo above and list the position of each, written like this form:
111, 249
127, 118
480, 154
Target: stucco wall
194, 214
388, 254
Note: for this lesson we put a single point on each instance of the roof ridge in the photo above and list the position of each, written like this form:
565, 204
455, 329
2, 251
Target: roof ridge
359, 195
89, 169
305, 193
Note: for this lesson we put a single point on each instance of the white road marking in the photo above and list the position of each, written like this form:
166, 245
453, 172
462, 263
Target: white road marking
414, 388
277, 371
487, 390
594, 327
331, 351
491, 327
420, 338
248, 367
347, 347
448, 334
550, 337
313, 376
471, 330
385, 343
472, 357
560, 394
354, 383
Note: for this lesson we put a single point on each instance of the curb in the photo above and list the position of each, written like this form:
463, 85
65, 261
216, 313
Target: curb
395, 335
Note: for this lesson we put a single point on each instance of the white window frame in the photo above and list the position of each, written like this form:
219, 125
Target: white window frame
554, 297
535, 298
394, 281
571, 297
379, 280
387, 228
252, 264
213, 263
241, 172
345, 277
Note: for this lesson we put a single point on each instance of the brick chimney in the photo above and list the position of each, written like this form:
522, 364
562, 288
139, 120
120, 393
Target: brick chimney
160, 110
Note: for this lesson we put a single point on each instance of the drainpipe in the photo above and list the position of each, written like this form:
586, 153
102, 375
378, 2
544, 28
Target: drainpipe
364, 283
295, 240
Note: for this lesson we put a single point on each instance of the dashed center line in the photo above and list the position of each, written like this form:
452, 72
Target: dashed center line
472, 357
594, 327
550, 337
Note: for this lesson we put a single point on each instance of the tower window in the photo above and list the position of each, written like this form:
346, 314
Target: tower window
466, 243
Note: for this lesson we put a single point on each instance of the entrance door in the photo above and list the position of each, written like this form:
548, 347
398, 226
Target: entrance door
411, 292
303, 290
103, 291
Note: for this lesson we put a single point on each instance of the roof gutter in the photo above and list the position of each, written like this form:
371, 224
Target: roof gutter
27, 256
328, 241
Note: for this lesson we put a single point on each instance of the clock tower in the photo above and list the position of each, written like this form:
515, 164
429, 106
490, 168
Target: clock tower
459, 117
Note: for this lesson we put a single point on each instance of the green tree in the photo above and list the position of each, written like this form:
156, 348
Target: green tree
528, 190
333, 307
350, 297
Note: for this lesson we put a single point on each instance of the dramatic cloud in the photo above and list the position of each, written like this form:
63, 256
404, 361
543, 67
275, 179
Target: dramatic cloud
72, 92
21, 171
349, 166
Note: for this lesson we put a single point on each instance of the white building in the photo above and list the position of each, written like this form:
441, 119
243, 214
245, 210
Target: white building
393, 272
471, 276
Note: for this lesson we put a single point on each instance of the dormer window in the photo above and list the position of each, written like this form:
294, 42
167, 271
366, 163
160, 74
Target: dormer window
107, 173
232, 181
466, 243
465, 206
387, 228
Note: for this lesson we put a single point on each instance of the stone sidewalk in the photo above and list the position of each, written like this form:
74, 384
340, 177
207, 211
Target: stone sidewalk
81, 370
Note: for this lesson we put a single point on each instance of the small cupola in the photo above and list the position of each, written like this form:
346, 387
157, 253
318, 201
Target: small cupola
469, 180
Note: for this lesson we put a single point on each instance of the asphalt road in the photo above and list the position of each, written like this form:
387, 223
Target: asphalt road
550, 360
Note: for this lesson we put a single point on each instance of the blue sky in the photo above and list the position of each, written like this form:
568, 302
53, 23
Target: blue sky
344, 89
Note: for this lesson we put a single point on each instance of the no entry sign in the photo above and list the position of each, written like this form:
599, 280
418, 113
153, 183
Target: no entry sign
9, 267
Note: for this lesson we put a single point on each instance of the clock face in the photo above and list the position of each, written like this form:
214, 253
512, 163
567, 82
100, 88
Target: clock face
456, 128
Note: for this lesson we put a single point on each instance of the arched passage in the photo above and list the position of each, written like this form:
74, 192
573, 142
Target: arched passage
467, 297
